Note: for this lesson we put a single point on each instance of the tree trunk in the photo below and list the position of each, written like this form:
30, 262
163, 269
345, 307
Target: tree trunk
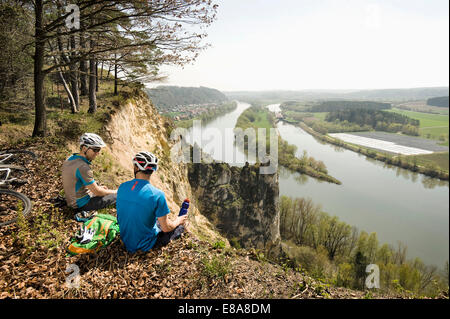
74, 77
96, 76
109, 71
69, 93
92, 83
40, 120
115, 77
101, 72
83, 69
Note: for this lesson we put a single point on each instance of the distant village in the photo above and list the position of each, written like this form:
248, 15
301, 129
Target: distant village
185, 112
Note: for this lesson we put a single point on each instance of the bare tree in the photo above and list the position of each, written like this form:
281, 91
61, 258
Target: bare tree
160, 26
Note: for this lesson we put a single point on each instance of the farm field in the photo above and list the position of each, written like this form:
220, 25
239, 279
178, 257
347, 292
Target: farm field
421, 106
432, 126
405, 140
440, 159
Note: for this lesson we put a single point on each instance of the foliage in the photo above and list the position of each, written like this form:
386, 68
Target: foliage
16, 64
132, 38
332, 106
378, 120
441, 101
219, 244
216, 267
327, 247
304, 164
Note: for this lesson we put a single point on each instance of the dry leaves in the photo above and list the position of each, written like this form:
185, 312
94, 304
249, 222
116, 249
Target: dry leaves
32, 270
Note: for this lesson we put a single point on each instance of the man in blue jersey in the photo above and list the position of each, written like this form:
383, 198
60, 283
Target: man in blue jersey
142, 209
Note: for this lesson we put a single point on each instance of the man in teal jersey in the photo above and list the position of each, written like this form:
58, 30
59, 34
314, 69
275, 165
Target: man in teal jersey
142, 209
78, 178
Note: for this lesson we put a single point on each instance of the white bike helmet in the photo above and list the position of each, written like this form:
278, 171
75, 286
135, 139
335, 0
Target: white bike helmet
146, 161
91, 140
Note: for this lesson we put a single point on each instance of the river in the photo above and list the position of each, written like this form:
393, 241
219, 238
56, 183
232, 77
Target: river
395, 203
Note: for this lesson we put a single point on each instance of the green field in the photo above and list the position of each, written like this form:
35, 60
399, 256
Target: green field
320, 115
426, 119
254, 117
439, 159
432, 126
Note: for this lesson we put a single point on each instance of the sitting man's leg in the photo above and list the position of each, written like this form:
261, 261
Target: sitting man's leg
164, 238
99, 202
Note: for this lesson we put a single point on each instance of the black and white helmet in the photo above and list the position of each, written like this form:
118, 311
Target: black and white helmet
91, 140
145, 161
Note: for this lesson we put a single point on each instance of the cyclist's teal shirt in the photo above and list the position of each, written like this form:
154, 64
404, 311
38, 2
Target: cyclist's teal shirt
139, 204
76, 175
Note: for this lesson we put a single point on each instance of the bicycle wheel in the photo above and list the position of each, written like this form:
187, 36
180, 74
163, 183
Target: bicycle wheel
21, 157
11, 202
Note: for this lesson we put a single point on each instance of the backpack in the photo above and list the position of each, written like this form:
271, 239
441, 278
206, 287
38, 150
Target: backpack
106, 229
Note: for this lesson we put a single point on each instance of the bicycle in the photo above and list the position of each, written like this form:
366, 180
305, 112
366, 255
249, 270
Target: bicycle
11, 201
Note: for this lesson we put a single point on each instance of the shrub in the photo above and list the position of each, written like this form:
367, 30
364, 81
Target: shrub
219, 244
216, 267
315, 262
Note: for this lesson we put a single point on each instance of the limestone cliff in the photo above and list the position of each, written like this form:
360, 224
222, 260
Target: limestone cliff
240, 202
138, 126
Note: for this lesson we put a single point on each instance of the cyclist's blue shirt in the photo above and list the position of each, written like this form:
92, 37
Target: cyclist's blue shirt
139, 204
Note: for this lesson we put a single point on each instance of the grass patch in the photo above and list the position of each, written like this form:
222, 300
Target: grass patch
320, 115
440, 159
432, 126
216, 267
426, 119
41, 232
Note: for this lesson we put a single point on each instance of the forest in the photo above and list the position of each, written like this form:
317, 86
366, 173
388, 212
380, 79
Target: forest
329, 106
75, 44
441, 101
378, 120
333, 250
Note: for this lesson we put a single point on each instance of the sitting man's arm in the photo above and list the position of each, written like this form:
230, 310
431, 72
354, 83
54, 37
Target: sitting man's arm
100, 190
167, 225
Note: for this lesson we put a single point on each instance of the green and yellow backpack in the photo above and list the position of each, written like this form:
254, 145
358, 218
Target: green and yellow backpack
106, 229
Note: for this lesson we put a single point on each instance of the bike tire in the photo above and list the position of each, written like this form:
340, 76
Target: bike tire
27, 205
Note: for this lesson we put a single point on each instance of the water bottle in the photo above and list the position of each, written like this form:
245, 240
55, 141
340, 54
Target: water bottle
184, 207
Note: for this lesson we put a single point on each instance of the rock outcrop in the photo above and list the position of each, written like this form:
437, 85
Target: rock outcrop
240, 202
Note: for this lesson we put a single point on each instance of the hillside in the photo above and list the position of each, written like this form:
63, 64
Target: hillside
374, 95
200, 265
328, 106
165, 96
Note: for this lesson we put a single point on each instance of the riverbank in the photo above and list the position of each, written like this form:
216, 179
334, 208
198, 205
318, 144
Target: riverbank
259, 117
404, 162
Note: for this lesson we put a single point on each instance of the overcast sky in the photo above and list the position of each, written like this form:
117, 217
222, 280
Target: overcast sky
322, 44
